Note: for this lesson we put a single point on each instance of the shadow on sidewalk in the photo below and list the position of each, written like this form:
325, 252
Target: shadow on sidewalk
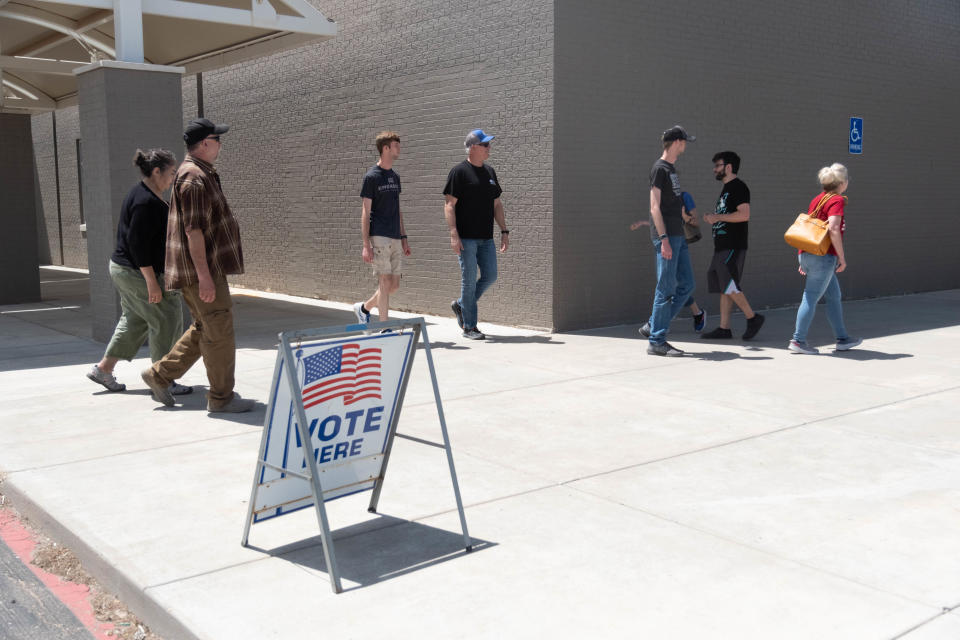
380, 549
867, 319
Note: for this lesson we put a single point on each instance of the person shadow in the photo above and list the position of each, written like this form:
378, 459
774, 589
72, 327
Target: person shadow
867, 354
535, 339
722, 356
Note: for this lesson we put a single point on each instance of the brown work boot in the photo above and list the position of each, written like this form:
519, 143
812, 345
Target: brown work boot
161, 390
236, 404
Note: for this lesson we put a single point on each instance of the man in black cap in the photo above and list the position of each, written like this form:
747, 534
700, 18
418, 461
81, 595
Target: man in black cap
674, 270
203, 248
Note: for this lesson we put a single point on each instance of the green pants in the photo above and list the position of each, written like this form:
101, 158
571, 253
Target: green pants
161, 322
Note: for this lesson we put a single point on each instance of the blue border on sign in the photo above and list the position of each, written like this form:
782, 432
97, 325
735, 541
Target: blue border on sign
279, 510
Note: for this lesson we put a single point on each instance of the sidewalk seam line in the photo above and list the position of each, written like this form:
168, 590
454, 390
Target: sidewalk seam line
944, 611
766, 552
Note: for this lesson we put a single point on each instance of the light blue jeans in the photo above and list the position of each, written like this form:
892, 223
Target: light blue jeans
476, 254
821, 283
674, 288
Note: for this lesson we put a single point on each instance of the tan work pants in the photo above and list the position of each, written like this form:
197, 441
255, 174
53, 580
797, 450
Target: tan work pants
211, 337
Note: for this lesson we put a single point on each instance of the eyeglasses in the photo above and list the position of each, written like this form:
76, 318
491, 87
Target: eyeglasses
217, 138
484, 144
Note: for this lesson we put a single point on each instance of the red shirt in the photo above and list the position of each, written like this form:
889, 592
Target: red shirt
833, 207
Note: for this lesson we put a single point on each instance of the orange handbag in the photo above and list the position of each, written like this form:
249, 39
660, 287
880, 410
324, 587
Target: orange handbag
808, 232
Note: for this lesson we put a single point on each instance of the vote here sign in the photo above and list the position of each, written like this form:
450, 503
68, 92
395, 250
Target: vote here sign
349, 389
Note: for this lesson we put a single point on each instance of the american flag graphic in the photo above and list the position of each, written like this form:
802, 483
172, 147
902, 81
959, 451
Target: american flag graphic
346, 371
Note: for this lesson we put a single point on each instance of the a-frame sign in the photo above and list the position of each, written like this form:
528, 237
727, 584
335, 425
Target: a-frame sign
337, 393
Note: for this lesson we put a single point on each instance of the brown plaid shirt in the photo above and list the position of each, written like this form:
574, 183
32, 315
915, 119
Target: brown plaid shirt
198, 203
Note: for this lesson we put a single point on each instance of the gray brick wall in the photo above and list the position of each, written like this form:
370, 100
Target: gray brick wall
776, 82
303, 124
68, 131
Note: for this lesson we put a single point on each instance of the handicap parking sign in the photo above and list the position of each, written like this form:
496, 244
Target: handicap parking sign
856, 135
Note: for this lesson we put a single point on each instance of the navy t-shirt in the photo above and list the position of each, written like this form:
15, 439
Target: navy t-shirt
731, 235
475, 189
382, 186
663, 175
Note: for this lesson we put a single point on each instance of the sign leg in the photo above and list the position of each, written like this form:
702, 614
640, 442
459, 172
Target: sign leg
398, 404
468, 545
295, 392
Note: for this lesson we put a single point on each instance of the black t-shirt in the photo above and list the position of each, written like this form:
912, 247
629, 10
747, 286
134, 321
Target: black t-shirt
142, 230
382, 186
475, 189
663, 175
731, 235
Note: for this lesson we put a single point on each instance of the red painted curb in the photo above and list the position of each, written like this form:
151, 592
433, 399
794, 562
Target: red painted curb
75, 597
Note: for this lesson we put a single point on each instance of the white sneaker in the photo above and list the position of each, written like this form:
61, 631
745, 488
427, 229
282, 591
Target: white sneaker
362, 318
100, 376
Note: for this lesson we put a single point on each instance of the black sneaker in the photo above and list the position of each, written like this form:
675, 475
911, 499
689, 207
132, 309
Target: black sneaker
700, 321
718, 334
753, 325
474, 334
645, 330
664, 349
457, 311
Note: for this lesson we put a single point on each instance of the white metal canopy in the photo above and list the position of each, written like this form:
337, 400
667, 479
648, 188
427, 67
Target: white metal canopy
42, 43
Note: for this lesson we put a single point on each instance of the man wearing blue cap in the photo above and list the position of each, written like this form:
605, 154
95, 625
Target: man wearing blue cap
472, 196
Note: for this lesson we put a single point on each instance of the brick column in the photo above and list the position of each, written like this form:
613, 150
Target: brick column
123, 107
18, 212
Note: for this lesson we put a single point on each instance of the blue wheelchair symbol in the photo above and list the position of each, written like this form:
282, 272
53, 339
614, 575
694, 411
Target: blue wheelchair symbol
856, 135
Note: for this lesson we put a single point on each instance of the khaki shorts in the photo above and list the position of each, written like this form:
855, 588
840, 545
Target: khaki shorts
387, 256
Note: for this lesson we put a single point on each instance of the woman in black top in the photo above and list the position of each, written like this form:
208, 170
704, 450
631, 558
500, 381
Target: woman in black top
136, 268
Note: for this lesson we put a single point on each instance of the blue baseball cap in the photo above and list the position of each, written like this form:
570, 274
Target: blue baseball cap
477, 136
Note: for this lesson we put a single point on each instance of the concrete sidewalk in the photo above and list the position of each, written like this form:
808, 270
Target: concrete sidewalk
740, 492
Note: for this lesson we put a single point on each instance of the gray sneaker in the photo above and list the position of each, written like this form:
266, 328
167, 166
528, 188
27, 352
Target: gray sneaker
235, 405
645, 330
848, 343
802, 347
664, 349
474, 334
100, 376
161, 392
178, 389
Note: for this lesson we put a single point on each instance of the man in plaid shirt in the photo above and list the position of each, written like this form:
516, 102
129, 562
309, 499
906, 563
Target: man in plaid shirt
203, 248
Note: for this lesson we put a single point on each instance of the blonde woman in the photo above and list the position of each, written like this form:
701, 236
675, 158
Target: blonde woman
821, 271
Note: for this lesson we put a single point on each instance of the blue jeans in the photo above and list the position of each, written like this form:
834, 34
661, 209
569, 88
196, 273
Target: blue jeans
821, 283
674, 288
480, 254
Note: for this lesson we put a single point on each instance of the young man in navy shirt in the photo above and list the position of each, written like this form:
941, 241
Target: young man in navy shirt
381, 228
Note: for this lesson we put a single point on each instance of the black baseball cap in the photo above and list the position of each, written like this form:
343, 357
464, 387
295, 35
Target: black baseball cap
200, 128
676, 132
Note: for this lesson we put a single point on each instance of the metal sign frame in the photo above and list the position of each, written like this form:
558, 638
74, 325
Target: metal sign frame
285, 359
